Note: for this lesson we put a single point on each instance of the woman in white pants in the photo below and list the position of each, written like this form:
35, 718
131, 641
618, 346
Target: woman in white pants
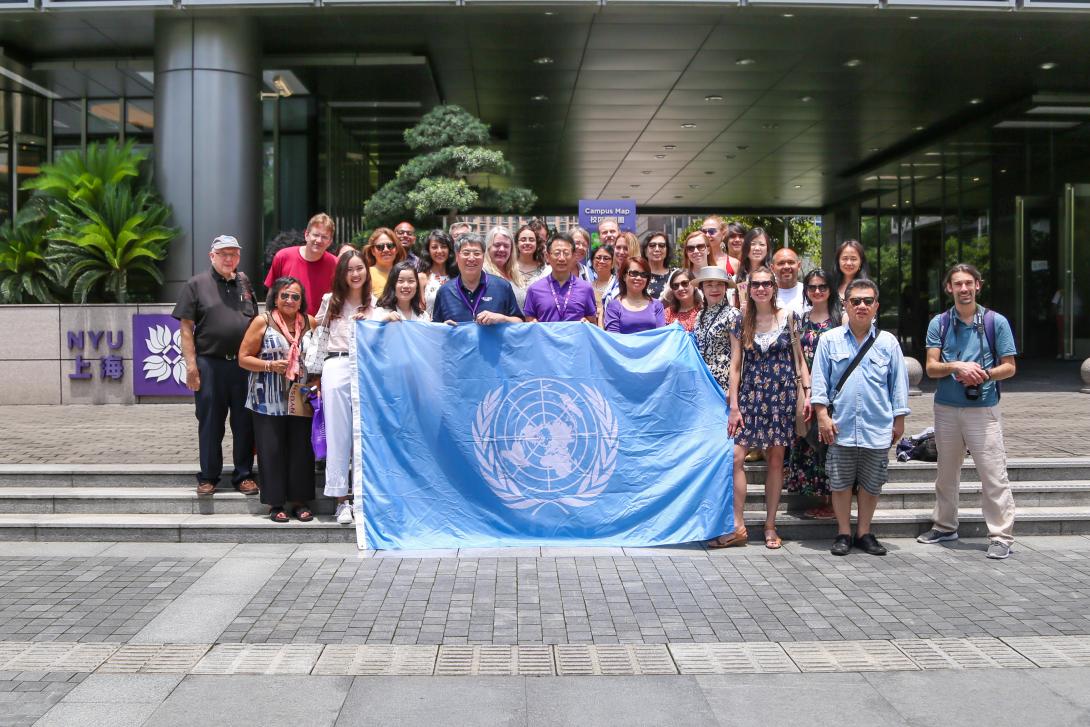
349, 301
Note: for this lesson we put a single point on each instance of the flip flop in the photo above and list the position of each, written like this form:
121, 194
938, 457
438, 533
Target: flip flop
772, 539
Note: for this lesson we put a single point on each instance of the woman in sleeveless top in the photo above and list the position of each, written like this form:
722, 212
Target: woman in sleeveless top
272, 352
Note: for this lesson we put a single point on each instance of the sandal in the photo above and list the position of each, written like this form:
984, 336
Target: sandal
277, 515
303, 514
772, 539
819, 513
737, 539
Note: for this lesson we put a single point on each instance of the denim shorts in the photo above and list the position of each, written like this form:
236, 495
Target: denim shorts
848, 466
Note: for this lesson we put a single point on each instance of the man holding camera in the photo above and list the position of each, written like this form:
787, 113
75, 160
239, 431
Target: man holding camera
969, 350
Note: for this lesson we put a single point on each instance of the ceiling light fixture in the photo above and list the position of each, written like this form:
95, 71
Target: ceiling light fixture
789, 15
974, 101
728, 156
798, 186
976, 179
645, 171
634, 186
919, 128
853, 63
806, 99
744, 62
713, 98
543, 60
742, 147
769, 127
709, 172
539, 97
669, 147
660, 156
913, 17
874, 149
1047, 66
908, 201
688, 125
694, 186
1002, 171
678, 196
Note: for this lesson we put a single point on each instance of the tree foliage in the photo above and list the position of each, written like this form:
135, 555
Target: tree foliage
28, 273
444, 178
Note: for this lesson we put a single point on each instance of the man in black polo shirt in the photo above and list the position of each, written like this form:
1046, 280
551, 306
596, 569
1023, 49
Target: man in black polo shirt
215, 309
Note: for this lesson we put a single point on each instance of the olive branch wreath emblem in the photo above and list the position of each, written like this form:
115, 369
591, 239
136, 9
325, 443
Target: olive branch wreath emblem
508, 490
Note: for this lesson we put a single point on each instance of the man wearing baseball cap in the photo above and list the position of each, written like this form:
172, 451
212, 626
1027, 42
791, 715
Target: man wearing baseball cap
215, 309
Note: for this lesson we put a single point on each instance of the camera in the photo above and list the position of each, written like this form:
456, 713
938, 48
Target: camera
972, 393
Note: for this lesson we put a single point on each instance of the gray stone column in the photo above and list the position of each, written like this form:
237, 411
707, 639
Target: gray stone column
208, 137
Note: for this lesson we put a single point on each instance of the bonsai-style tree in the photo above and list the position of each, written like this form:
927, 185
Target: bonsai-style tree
443, 179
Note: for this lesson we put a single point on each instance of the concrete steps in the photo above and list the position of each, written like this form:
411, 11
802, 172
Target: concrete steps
158, 503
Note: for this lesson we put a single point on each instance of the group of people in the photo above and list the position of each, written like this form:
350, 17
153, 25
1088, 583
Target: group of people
813, 386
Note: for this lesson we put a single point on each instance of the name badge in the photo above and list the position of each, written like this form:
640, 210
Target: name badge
488, 299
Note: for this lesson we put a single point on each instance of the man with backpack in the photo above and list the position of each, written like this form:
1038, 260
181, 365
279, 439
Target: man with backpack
970, 350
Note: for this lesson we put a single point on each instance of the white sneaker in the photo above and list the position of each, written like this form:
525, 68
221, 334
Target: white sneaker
344, 513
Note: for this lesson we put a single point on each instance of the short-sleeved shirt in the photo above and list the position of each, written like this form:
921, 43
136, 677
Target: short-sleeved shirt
317, 276
963, 343
619, 319
221, 311
455, 303
550, 302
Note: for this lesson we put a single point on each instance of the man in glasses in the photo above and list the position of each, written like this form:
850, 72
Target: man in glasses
311, 262
561, 295
860, 398
214, 310
406, 235
969, 350
474, 295
785, 264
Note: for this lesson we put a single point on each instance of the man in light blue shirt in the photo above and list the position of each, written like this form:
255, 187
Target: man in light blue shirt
864, 417
969, 349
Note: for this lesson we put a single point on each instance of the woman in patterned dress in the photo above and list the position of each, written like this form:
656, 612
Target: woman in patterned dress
766, 362
805, 470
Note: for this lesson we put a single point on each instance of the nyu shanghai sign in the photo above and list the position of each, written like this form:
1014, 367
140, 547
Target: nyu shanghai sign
593, 211
536, 434
158, 365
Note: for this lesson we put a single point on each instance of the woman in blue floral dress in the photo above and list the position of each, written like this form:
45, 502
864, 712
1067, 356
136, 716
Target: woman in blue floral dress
805, 470
766, 363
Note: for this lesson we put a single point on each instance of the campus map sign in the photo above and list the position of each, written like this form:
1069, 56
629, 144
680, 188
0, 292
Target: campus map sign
482, 436
592, 211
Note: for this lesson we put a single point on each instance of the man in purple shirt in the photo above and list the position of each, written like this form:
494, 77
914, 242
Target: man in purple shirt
561, 296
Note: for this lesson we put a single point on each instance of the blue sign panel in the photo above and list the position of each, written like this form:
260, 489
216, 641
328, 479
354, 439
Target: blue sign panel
592, 211
537, 434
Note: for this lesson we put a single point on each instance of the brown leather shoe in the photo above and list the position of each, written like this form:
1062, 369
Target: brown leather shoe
206, 488
248, 487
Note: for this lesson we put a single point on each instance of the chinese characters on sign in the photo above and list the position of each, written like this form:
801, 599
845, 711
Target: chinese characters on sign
111, 365
593, 211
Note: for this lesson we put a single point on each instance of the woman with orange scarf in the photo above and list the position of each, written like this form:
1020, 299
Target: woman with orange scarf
272, 352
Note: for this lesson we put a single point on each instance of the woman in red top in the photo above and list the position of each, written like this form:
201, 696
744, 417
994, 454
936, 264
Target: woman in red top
683, 301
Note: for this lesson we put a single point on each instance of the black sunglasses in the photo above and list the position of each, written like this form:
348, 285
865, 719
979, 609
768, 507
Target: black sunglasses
819, 288
865, 300
638, 274
385, 245
291, 296
679, 284
760, 284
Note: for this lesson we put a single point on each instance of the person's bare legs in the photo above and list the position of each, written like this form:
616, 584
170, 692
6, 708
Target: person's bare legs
842, 506
739, 487
773, 490
867, 505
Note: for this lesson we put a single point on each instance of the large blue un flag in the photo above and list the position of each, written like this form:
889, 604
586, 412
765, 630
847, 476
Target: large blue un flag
537, 434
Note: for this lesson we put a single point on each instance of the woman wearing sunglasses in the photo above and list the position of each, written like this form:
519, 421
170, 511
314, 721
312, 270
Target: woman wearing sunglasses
682, 300
656, 251
766, 364
697, 253
634, 310
272, 352
805, 470
605, 282
382, 252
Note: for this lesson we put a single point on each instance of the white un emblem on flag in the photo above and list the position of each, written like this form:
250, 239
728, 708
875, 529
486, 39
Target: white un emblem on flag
545, 443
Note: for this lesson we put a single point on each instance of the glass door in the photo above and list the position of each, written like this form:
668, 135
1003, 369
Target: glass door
1074, 289
1037, 246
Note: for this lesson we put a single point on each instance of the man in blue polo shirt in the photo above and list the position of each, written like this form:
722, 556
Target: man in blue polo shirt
474, 295
969, 349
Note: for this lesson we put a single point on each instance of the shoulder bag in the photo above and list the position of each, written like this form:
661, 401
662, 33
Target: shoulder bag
802, 426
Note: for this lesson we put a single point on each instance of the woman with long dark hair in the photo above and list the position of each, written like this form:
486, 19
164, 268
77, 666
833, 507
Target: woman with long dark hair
657, 251
756, 253
436, 265
766, 363
849, 263
805, 470
401, 300
350, 300
272, 351
530, 256
634, 310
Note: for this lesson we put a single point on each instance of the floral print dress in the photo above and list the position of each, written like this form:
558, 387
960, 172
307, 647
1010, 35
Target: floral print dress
768, 391
804, 472
712, 333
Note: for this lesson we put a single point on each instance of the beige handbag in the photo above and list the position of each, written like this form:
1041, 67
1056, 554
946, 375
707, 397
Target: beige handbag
802, 426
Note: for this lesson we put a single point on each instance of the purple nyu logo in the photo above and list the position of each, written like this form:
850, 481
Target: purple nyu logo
159, 368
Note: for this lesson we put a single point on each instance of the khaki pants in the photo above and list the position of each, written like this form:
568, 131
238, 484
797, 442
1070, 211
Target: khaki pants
981, 430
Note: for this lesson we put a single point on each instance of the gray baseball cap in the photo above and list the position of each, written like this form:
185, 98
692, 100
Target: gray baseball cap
225, 241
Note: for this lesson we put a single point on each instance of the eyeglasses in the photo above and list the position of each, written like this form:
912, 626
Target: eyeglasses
819, 288
403, 233
294, 297
865, 300
679, 284
712, 231
385, 245
603, 259
696, 248
760, 284
656, 246
638, 274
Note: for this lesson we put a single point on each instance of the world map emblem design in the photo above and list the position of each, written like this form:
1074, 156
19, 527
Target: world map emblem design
545, 443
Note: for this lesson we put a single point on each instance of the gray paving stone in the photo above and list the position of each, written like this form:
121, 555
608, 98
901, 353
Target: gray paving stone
124, 688
192, 619
85, 714
483, 701
254, 701
630, 701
